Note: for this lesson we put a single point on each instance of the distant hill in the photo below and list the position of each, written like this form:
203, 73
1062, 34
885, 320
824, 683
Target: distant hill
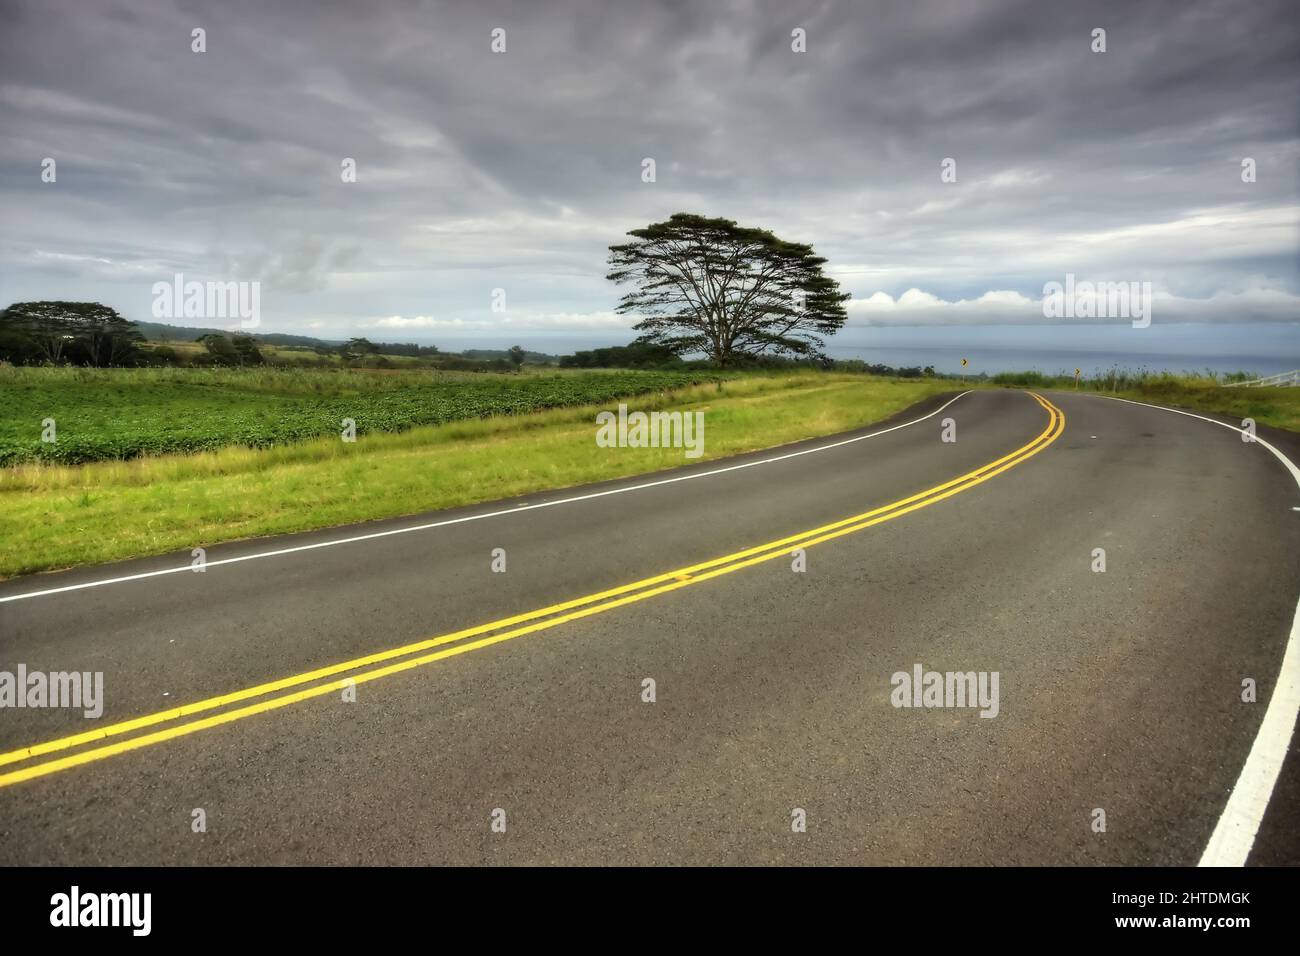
162, 332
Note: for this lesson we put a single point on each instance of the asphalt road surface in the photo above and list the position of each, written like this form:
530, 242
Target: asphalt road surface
1119, 691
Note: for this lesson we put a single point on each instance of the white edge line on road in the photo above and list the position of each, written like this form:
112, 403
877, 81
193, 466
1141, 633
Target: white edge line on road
1234, 834
518, 509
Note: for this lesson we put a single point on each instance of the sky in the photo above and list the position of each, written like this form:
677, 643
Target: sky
479, 170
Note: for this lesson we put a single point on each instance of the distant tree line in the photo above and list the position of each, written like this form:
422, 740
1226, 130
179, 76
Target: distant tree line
93, 334
647, 355
636, 355
858, 365
410, 349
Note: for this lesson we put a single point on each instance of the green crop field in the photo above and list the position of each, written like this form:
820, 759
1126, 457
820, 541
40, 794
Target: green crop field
119, 414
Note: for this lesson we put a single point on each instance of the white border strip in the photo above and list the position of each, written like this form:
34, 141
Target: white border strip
1234, 835
519, 509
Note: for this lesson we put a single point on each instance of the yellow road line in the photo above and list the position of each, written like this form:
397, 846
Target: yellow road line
576, 609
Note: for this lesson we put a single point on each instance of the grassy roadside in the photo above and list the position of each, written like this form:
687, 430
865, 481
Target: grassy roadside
54, 516
1279, 407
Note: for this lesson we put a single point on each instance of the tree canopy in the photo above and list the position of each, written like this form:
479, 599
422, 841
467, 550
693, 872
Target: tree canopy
231, 349
81, 332
727, 291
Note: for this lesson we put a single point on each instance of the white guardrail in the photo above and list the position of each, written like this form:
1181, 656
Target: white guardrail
1282, 378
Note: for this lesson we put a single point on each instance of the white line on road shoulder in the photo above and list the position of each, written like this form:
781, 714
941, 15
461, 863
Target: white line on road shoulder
518, 509
1234, 834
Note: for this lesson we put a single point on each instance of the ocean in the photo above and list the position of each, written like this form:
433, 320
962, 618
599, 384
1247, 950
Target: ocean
1258, 348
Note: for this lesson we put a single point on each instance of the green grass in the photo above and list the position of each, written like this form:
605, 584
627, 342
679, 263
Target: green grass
1279, 407
101, 413
54, 515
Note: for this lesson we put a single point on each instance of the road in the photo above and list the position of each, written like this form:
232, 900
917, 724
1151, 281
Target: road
1118, 691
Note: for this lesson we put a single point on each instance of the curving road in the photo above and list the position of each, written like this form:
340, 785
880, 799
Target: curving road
1117, 690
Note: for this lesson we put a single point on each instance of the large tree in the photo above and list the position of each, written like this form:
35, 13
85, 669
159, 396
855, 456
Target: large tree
47, 324
220, 348
108, 338
357, 349
83, 331
728, 291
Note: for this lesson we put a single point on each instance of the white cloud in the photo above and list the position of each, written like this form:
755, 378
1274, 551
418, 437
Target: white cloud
554, 321
1007, 307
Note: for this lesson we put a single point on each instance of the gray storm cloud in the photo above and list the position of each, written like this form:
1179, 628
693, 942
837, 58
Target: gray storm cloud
478, 170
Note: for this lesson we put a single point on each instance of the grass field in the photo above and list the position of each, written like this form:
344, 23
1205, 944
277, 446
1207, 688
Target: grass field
122, 413
54, 516
1279, 407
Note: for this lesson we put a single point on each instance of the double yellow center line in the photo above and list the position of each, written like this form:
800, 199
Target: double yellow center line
326, 680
